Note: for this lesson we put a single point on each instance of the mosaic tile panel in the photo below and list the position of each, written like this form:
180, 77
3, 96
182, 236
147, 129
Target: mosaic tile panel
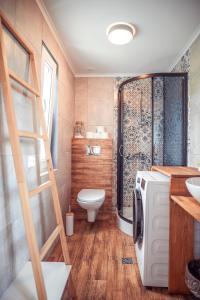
137, 133
173, 115
137, 110
158, 126
117, 83
183, 65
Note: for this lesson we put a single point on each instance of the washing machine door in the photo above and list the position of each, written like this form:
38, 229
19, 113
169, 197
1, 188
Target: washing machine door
138, 223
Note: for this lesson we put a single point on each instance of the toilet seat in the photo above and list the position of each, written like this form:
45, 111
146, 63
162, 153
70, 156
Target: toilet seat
91, 195
91, 200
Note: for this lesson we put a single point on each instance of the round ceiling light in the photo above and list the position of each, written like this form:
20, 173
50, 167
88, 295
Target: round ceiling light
120, 33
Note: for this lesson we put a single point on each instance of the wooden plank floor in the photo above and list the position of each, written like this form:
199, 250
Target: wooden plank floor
98, 273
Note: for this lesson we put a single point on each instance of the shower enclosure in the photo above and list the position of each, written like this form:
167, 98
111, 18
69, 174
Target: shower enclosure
152, 130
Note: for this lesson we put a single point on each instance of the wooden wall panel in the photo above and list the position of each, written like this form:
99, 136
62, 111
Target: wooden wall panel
90, 171
180, 247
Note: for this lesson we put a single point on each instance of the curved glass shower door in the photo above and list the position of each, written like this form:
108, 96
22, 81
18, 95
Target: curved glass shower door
152, 130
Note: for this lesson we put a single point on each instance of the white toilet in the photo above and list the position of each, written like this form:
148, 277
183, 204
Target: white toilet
92, 200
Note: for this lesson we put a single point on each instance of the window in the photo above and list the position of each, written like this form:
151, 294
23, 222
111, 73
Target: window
49, 70
49, 99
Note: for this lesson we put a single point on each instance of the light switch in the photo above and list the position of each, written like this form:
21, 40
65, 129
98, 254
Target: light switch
96, 150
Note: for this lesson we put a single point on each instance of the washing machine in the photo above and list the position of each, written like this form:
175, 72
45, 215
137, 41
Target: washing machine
151, 227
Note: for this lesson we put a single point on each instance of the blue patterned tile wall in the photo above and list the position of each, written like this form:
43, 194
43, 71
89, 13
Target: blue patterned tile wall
137, 133
173, 122
158, 122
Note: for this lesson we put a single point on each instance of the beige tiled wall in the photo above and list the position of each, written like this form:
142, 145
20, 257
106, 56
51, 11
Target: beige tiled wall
28, 20
94, 101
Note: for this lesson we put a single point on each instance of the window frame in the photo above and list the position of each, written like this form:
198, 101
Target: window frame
49, 59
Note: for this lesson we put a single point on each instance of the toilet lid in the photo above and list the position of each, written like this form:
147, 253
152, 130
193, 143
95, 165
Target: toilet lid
91, 194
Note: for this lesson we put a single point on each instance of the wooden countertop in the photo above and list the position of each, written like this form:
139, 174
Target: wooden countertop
189, 204
177, 171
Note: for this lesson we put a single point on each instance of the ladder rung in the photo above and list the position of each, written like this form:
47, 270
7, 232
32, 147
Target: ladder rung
40, 188
49, 242
23, 83
30, 135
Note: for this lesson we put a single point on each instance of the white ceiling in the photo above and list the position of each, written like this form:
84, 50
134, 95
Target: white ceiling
164, 29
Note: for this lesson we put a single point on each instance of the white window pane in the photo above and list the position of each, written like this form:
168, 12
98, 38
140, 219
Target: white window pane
49, 71
47, 93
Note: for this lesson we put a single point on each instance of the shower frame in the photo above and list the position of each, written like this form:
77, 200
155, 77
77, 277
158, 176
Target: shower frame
120, 127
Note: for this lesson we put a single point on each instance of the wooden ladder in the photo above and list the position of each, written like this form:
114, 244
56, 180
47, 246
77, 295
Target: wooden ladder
36, 254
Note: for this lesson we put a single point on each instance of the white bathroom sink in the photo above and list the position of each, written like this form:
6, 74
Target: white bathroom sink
193, 186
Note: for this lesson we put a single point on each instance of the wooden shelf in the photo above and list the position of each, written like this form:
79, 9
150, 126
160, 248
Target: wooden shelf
23, 287
189, 204
177, 171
